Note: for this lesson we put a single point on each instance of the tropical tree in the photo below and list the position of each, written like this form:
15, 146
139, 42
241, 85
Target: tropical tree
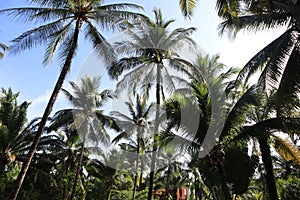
63, 22
152, 50
15, 137
210, 87
138, 125
89, 120
263, 130
224, 155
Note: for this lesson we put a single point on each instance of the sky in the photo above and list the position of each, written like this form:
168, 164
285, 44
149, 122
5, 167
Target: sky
26, 74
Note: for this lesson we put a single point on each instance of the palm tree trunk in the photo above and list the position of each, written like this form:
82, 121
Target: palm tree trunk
155, 143
196, 187
142, 170
267, 160
137, 166
167, 181
78, 170
58, 85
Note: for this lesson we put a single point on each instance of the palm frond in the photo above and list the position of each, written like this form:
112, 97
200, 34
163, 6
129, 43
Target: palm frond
287, 98
287, 150
254, 22
117, 67
120, 6
260, 59
52, 3
104, 49
237, 114
61, 118
116, 19
277, 62
187, 7
120, 136
135, 76
37, 14
35, 37
67, 46
54, 42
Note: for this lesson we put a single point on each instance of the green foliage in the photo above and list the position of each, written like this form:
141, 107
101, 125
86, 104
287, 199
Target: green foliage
127, 195
289, 188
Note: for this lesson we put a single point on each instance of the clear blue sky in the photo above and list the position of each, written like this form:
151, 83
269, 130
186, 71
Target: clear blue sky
25, 72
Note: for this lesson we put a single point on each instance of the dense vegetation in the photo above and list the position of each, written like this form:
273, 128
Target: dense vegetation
191, 125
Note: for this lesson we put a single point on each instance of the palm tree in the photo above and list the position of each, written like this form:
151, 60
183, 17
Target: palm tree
153, 50
15, 137
59, 31
89, 120
263, 128
279, 61
209, 85
137, 125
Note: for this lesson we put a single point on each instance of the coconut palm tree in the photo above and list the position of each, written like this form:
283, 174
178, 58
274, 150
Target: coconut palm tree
15, 136
89, 120
209, 86
263, 129
152, 50
64, 20
237, 115
138, 125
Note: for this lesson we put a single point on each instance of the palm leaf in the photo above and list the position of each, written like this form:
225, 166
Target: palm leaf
237, 114
37, 14
287, 94
187, 7
259, 60
54, 41
35, 37
286, 149
104, 49
254, 22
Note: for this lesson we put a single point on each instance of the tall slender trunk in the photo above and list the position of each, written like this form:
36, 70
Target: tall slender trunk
58, 85
78, 170
65, 187
267, 160
168, 181
142, 170
196, 187
136, 167
155, 142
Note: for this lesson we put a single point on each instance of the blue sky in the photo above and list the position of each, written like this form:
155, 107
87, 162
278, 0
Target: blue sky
25, 73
